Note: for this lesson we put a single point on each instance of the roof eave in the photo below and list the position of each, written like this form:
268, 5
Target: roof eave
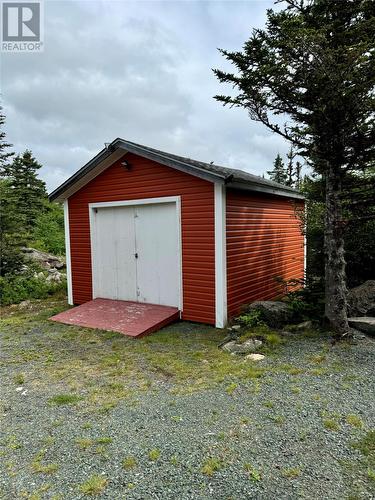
122, 147
265, 189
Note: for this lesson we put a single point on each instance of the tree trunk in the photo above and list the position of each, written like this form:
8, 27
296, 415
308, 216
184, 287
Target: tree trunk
335, 282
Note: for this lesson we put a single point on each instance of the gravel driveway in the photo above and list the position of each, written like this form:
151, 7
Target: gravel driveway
85, 412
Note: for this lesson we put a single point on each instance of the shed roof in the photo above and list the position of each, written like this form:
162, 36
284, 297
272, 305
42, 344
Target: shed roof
230, 176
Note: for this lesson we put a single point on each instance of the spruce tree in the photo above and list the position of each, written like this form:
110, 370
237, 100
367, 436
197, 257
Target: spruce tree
314, 66
29, 192
278, 173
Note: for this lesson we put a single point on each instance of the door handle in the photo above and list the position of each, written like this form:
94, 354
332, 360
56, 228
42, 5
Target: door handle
136, 255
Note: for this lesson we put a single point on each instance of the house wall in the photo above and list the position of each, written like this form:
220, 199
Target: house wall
264, 240
148, 179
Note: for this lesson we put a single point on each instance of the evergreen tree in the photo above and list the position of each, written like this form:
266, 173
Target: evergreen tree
278, 173
4, 146
12, 236
314, 64
29, 192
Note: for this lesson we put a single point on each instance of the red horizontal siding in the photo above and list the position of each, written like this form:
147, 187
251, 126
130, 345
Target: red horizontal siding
148, 179
264, 241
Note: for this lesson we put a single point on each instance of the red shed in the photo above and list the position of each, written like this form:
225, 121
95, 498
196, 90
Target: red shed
148, 226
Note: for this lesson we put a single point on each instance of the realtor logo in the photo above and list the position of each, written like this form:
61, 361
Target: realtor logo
22, 26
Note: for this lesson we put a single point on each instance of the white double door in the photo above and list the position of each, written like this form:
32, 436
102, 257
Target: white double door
136, 253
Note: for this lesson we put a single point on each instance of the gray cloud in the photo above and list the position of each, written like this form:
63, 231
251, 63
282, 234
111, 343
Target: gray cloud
138, 70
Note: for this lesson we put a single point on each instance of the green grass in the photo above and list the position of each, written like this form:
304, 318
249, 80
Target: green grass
366, 445
129, 463
154, 454
19, 378
254, 475
37, 466
95, 485
210, 466
354, 421
65, 399
291, 473
331, 424
231, 388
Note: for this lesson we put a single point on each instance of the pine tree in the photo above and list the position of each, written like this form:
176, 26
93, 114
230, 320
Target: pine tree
278, 173
314, 64
29, 192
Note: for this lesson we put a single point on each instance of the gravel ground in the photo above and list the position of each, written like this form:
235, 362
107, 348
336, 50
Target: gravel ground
285, 433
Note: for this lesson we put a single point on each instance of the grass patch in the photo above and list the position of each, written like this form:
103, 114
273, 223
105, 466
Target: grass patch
366, 445
277, 419
84, 443
210, 466
231, 388
291, 473
19, 378
94, 485
104, 440
154, 454
254, 475
65, 399
331, 424
354, 421
43, 468
129, 463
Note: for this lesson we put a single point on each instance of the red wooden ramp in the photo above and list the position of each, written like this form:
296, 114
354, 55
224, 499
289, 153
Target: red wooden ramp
130, 318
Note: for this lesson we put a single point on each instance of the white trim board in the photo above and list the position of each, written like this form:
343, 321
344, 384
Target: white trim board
220, 256
129, 203
67, 253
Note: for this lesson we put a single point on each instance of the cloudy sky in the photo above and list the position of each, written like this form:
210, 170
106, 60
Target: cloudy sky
137, 70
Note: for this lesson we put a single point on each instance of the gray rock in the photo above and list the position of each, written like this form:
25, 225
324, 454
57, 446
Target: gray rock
301, 327
365, 324
242, 348
25, 304
54, 276
255, 356
44, 259
361, 300
275, 313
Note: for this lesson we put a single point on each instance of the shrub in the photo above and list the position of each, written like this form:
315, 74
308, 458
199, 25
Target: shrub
251, 319
48, 233
15, 288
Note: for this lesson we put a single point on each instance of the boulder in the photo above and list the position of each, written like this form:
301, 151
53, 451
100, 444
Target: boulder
361, 300
275, 313
365, 324
44, 259
242, 348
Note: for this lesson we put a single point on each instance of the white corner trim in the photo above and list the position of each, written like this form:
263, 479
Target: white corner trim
220, 256
67, 253
128, 203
